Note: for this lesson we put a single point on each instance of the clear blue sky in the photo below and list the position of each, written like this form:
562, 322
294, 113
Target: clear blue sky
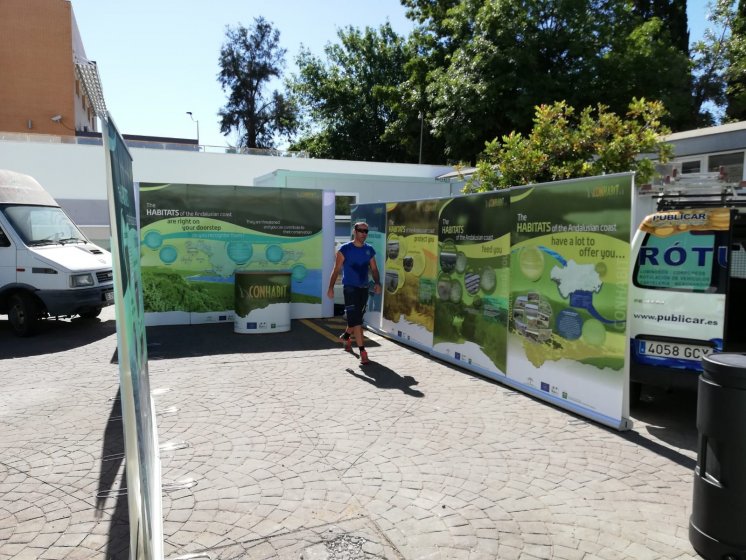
158, 59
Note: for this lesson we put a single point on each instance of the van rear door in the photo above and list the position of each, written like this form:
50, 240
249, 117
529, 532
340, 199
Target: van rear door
678, 291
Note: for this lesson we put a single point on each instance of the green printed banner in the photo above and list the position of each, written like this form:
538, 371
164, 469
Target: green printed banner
568, 296
473, 282
375, 216
411, 271
138, 410
195, 237
262, 302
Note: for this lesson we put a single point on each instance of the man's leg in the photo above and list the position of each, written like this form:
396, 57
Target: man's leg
362, 300
354, 318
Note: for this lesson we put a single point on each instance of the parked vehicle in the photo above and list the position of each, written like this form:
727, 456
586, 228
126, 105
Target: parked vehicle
48, 268
688, 288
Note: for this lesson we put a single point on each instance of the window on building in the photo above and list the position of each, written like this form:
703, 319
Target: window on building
343, 203
731, 166
691, 166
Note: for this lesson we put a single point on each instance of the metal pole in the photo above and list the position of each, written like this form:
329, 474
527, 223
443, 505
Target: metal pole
191, 116
422, 125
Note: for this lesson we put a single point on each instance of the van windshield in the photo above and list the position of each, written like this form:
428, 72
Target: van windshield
43, 225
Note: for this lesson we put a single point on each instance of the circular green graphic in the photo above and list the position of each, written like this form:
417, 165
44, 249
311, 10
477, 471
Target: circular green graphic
461, 262
444, 287
471, 281
489, 280
531, 263
274, 253
594, 332
153, 239
298, 273
456, 291
168, 254
448, 257
239, 251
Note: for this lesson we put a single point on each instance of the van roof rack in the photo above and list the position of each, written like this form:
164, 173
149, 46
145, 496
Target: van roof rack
707, 196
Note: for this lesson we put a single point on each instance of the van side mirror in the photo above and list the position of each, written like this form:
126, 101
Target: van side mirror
4, 241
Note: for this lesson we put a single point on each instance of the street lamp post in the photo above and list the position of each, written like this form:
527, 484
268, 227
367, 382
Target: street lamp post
422, 125
196, 121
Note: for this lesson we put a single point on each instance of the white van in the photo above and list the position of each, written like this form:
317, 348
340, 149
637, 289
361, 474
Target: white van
48, 268
688, 289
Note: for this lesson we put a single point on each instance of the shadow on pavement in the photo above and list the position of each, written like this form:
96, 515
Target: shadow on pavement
53, 336
112, 458
384, 378
669, 416
188, 341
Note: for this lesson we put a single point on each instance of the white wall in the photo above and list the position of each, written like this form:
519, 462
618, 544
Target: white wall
72, 171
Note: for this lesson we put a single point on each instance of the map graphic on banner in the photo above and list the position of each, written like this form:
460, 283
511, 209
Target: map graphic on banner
411, 271
569, 274
473, 283
194, 237
375, 216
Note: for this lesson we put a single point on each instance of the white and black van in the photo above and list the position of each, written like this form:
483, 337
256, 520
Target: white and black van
688, 288
48, 268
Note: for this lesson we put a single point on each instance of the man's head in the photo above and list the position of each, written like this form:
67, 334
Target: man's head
360, 230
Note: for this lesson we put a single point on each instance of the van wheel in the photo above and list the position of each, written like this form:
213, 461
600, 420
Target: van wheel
91, 313
23, 314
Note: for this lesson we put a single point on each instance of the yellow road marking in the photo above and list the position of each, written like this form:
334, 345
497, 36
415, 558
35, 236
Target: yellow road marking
321, 330
334, 338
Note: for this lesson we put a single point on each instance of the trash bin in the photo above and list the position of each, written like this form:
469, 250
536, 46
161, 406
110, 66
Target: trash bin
262, 302
717, 527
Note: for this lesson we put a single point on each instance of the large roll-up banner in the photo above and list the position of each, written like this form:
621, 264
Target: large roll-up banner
526, 285
195, 237
143, 470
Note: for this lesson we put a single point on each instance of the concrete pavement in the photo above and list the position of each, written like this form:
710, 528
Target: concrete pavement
283, 446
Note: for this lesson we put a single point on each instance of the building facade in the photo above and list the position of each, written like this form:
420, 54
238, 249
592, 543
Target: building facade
40, 92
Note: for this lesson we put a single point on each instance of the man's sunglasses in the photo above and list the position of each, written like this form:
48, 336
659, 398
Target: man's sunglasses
361, 230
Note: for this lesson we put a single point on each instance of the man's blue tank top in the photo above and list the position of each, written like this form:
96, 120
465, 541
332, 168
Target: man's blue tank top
356, 264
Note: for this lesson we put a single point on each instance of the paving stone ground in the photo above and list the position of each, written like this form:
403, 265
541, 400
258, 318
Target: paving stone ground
287, 448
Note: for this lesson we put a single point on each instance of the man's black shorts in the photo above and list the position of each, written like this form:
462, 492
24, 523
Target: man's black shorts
355, 301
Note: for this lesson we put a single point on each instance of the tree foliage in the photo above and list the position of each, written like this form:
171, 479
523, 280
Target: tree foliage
563, 145
491, 62
250, 59
350, 98
475, 70
736, 71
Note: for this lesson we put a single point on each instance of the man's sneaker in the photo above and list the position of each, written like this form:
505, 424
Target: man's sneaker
346, 343
364, 357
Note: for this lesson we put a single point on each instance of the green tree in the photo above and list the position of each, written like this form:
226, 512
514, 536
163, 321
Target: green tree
736, 72
351, 97
250, 59
489, 63
564, 145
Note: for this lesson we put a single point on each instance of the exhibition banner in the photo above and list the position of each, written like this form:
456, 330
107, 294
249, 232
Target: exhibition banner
473, 283
568, 293
375, 216
143, 488
195, 237
411, 271
262, 302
